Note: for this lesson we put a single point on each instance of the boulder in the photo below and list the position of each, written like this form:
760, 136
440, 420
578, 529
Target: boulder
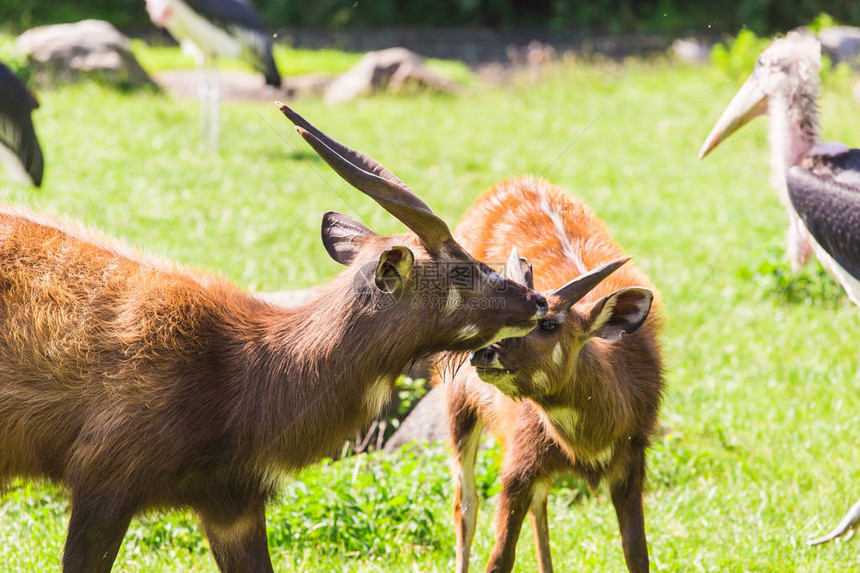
91, 49
841, 43
690, 51
534, 55
426, 423
391, 70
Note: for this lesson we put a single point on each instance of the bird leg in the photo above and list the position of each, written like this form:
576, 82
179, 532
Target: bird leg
214, 107
799, 247
850, 522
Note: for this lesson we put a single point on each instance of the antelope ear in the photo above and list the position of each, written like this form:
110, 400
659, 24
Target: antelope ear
622, 312
519, 270
343, 236
393, 269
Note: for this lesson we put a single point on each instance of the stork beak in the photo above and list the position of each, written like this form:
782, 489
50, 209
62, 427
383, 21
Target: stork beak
749, 102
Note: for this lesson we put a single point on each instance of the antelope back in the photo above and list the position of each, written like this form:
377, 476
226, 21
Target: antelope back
563, 239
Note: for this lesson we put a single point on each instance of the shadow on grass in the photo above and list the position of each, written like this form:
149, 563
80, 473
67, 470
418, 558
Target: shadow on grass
282, 152
771, 276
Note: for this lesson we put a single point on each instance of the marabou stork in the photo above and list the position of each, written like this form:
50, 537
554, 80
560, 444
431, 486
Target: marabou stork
785, 85
19, 149
819, 183
208, 29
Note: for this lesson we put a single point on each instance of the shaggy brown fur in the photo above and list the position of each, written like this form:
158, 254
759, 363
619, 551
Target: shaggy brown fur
142, 385
568, 398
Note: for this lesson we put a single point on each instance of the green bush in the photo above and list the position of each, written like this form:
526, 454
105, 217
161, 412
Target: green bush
369, 504
737, 56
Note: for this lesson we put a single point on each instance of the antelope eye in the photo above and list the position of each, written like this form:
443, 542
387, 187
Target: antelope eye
547, 324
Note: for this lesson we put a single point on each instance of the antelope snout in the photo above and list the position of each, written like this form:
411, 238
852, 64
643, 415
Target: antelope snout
487, 357
542, 306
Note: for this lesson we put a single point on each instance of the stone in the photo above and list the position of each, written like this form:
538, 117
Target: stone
690, 51
90, 49
391, 70
841, 43
426, 423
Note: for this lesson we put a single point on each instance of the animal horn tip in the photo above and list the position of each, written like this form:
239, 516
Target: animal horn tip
287, 111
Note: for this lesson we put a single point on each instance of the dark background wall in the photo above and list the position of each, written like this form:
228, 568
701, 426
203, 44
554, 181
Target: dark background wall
600, 16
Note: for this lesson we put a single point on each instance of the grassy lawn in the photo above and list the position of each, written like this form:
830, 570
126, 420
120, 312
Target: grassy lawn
290, 61
759, 450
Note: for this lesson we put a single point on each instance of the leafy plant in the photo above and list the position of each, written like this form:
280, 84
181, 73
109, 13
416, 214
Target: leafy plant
13, 58
736, 57
370, 504
822, 21
772, 276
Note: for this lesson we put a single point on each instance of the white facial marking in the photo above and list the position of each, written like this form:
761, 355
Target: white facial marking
558, 354
511, 332
467, 332
541, 380
504, 384
377, 395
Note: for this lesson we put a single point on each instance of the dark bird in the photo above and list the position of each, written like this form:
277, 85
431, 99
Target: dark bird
20, 153
819, 183
825, 192
785, 85
209, 29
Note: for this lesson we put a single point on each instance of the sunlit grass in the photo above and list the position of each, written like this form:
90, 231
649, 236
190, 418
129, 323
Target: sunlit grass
760, 414
290, 61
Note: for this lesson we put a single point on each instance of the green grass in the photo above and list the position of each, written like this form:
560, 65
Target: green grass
760, 449
290, 61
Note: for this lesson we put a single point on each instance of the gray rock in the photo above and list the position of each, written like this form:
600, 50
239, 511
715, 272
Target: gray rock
91, 49
690, 51
841, 43
391, 70
289, 298
426, 423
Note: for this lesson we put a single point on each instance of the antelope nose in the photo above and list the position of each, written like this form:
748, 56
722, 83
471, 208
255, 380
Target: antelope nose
484, 357
542, 306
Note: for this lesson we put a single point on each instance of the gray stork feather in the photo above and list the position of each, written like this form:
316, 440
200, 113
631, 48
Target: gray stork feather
16, 125
240, 18
825, 192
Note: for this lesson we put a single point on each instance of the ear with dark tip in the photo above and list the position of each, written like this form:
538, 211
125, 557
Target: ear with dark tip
519, 270
573, 291
622, 312
343, 236
393, 269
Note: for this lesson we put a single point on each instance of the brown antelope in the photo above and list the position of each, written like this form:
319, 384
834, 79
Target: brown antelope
579, 394
140, 385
